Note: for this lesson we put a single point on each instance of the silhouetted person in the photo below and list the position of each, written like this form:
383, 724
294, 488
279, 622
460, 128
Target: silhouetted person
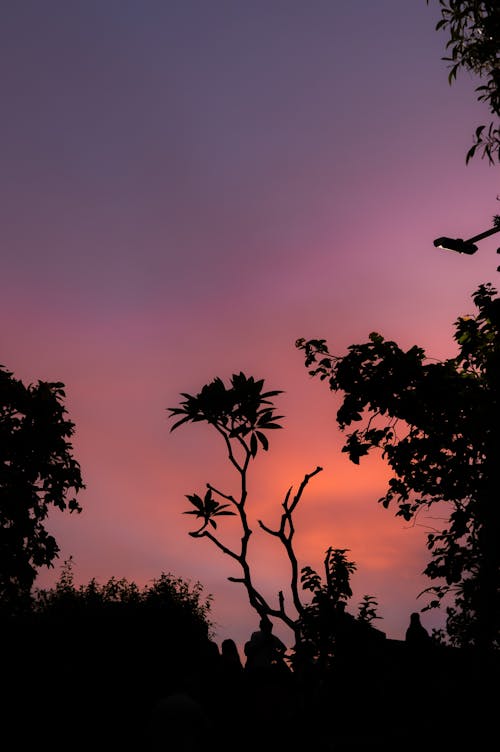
203, 671
232, 666
212, 654
230, 696
269, 689
264, 650
230, 674
416, 635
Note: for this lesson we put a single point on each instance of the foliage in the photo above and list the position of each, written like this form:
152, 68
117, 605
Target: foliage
437, 425
367, 609
319, 621
338, 571
168, 595
240, 411
474, 45
37, 472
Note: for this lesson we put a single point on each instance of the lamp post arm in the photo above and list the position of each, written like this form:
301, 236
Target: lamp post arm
482, 235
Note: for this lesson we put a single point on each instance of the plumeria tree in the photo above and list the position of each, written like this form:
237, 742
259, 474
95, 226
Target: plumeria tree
243, 414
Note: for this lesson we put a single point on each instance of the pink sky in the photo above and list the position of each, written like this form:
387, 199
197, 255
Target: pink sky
189, 187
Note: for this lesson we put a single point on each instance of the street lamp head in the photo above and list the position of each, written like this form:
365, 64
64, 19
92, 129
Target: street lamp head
456, 244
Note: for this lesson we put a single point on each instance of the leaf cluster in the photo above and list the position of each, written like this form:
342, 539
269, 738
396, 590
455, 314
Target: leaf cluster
474, 45
207, 508
367, 609
240, 410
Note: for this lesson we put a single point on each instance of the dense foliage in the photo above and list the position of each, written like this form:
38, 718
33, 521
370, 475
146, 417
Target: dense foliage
474, 46
438, 427
37, 472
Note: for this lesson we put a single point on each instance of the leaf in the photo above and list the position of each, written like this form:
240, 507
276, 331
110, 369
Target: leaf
196, 500
253, 445
263, 440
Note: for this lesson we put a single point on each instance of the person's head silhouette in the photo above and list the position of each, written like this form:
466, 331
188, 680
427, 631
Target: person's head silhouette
229, 651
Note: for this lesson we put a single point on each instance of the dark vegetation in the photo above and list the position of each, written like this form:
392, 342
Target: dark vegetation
437, 424
473, 46
83, 666
37, 472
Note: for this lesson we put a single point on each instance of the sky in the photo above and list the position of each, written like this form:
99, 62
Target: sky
187, 187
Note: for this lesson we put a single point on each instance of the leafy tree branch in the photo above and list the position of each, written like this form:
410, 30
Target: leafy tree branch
474, 46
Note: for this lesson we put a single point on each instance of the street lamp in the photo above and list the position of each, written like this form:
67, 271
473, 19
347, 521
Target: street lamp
464, 246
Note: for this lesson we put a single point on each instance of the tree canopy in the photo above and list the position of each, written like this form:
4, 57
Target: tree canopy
437, 425
474, 46
37, 472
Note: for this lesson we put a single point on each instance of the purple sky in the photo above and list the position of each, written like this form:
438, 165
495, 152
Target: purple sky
187, 188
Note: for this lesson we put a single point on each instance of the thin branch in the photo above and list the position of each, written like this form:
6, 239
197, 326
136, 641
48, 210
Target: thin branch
302, 486
221, 546
287, 538
223, 495
268, 529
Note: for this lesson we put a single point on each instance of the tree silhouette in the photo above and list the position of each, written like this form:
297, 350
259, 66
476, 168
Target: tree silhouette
242, 413
437, 425
37, 472
474, 44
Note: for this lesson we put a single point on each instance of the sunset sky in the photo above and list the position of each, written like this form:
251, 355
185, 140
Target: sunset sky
188, 186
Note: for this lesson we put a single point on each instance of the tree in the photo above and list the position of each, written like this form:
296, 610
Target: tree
437, 425
474, 44
37, 472
242, 414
